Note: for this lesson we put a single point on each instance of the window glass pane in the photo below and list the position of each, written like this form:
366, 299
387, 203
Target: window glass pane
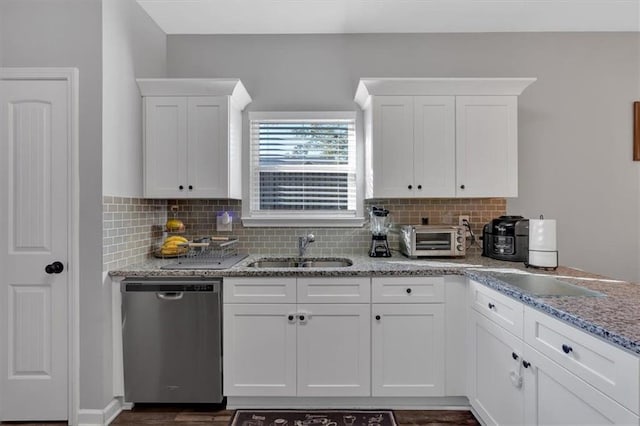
304, 191
303, 143
303, 166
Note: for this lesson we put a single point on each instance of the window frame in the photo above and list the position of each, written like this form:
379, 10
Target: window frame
297, 218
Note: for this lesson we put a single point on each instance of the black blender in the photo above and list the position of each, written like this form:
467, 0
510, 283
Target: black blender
379, 224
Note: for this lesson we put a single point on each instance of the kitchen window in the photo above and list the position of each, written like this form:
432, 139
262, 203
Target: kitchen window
303, 170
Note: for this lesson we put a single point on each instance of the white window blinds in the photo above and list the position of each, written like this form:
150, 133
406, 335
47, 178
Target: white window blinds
303, 166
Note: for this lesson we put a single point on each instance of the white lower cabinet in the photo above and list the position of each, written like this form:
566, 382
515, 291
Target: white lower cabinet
333, 346
296, 349
511, 383
495, 384
408, 350
259, 344
554, 396
362, 337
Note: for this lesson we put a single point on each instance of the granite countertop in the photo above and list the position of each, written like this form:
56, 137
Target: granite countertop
615, 317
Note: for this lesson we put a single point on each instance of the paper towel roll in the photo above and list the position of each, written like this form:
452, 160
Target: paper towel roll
542, 235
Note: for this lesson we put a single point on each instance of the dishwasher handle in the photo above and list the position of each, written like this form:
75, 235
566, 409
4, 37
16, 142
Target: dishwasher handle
170, 295
170, 286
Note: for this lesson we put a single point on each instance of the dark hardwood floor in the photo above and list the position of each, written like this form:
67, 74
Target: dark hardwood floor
188, 416
211, 416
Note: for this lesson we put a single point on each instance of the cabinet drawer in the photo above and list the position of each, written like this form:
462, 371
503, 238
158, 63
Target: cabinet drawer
408, 290
612, 371
334, 290
503, 310
259, 290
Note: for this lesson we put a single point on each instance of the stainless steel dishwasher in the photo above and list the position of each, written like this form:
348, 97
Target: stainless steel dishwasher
172, 340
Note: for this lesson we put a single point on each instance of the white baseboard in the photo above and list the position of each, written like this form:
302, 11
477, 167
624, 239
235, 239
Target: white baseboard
102, 417
406, 403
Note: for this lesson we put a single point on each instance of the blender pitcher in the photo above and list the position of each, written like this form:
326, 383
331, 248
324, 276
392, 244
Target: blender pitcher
379, 224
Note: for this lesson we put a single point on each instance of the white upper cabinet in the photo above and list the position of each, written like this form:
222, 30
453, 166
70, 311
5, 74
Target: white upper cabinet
486, 146
193, 137
441, 137
414, 146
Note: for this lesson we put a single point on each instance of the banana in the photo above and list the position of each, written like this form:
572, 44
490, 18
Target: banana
165, 250
176, 238
173, 244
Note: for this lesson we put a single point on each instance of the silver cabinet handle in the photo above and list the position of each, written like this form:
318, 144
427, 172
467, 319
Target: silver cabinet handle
170, 295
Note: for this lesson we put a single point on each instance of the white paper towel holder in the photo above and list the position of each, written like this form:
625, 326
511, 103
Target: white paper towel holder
542, 254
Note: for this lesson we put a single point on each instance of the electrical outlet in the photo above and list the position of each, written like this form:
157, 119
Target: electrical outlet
461, 220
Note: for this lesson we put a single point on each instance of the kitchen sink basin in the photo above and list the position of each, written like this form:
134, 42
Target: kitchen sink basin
302, 262
542, 285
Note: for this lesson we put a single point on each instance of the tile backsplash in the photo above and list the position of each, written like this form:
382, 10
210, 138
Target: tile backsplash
132, 227
199, 217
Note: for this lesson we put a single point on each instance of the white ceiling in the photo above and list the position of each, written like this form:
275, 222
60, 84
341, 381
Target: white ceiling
390, 16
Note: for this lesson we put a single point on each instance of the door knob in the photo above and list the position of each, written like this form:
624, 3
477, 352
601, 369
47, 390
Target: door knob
54, 268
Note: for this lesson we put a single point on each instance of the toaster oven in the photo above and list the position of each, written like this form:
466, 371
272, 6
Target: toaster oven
432, 241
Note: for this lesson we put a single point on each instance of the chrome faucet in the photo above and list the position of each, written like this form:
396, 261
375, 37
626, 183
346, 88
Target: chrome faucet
303, 242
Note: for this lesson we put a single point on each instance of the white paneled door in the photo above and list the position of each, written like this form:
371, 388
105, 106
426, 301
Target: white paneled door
33, 234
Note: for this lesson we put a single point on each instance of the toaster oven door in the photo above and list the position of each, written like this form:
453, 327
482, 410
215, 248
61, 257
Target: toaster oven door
434, 243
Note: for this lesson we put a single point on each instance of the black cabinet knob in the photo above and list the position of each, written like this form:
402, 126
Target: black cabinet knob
491, 305
54, 268
378, 317
526, 364
410, 186
461, 186
290, 317
419, 186
566, 349
408, 291
181, 187
301, 317
190, 187
514, 355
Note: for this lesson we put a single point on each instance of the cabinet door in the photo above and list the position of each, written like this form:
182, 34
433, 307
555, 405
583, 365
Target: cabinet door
434, 146
494, 389
165, 147
609, 369
207, 155
408, 350
486, 146
393, 147
554, 396
259, 350
334, 350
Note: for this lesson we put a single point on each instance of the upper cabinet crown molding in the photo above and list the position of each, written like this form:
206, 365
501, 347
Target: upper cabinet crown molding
438, 87
231, 87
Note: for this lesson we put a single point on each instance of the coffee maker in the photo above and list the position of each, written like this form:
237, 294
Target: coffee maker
379, 224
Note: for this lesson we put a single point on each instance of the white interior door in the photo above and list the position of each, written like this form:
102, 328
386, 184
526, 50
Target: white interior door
33, 233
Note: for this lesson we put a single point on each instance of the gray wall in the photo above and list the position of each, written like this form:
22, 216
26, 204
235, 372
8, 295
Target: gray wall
67, 33
575, 121
133, 46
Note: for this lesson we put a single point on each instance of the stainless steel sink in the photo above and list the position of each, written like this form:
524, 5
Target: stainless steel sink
542, 285
302, 262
